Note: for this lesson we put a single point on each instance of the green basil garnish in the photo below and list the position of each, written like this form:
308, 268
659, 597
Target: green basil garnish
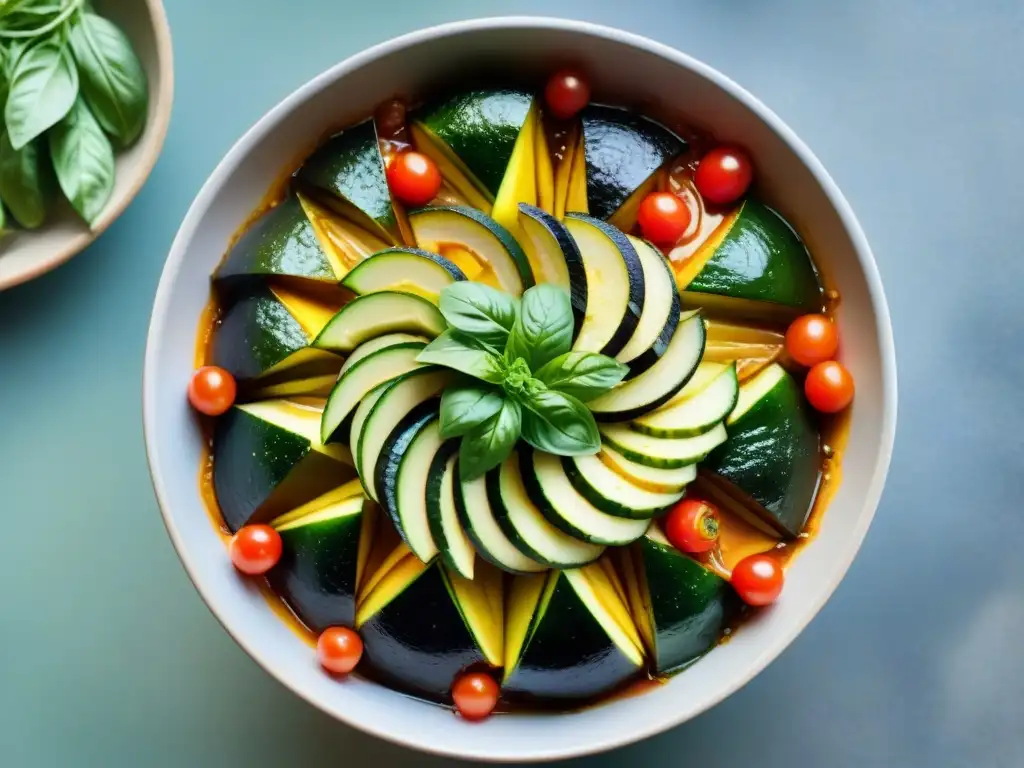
463, 353
491, 443
584, 375
559, 423
534, 390
22, 182
485, 313
83, 160
44, 86
543, 328
466, 407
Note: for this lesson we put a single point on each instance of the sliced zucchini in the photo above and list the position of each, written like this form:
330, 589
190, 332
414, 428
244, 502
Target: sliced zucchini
349, 169
357, 381
773, 451
682, 608
660, 317
345, 242
660, 452
401, 476
519, 183
623, 150
659, 383
367, 348
268, 460
490, 243
614, 285
383, 410
478, 520
568, 637
281, 243
266, 331
406, 270
555, 257
323, 545
422, 625
653, 479
697, 415
480, 128
548, 487
527, 527
455, 547
611, 492
706, 373
376, 314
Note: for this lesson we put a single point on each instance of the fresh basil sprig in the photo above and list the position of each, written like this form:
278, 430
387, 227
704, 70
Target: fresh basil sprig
522, 378
70, 84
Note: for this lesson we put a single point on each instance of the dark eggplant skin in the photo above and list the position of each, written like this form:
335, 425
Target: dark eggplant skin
418, 643
646, 359
316, 575
623, 149
281, 243
261, 471
573, 262
569, 657
390, 460
690, 605
637, 286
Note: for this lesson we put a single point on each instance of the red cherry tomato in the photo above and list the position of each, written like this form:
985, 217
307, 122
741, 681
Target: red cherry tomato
829, 387
414, 178
476, 695
663, 218
758, 579
255, 549
212, 390
692, 526
339, 649
724, 174
566, 94
812, 339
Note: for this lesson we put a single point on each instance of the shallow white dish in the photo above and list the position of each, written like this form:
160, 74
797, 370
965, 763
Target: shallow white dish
27, 255
625, 69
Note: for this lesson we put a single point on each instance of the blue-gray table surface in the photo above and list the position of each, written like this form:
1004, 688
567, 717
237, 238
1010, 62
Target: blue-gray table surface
109, 658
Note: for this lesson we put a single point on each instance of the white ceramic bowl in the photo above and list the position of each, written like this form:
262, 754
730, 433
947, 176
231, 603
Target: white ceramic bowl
27, 255
625, 69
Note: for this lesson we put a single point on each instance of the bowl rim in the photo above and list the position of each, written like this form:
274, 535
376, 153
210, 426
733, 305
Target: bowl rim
153, 146
269, 122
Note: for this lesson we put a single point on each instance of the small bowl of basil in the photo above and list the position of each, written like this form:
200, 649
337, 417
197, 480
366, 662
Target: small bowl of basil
85, 100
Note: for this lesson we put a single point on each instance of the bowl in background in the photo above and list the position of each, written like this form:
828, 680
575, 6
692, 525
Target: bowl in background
27, 255
624, 69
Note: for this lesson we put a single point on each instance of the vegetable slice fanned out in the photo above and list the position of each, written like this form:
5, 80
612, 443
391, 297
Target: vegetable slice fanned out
406, 270
376, 314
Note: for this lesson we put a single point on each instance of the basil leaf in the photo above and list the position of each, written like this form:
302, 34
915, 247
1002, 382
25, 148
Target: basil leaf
112, 79
479, 310
467, 407
84, 161
463, 353
3, 220
22, 182
43, 89
491, 443
559, 423
584, 375
543, 329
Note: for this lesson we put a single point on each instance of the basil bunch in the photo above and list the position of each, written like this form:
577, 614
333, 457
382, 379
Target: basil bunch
71, 88
522, 380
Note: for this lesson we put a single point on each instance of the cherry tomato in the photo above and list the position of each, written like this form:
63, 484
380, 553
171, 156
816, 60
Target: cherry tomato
414, 178
663, 218
758, 579
212, 390
255, 549
812, 339
339, 649
476, 695
723, 175
829, 387
566, 94
692, 526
